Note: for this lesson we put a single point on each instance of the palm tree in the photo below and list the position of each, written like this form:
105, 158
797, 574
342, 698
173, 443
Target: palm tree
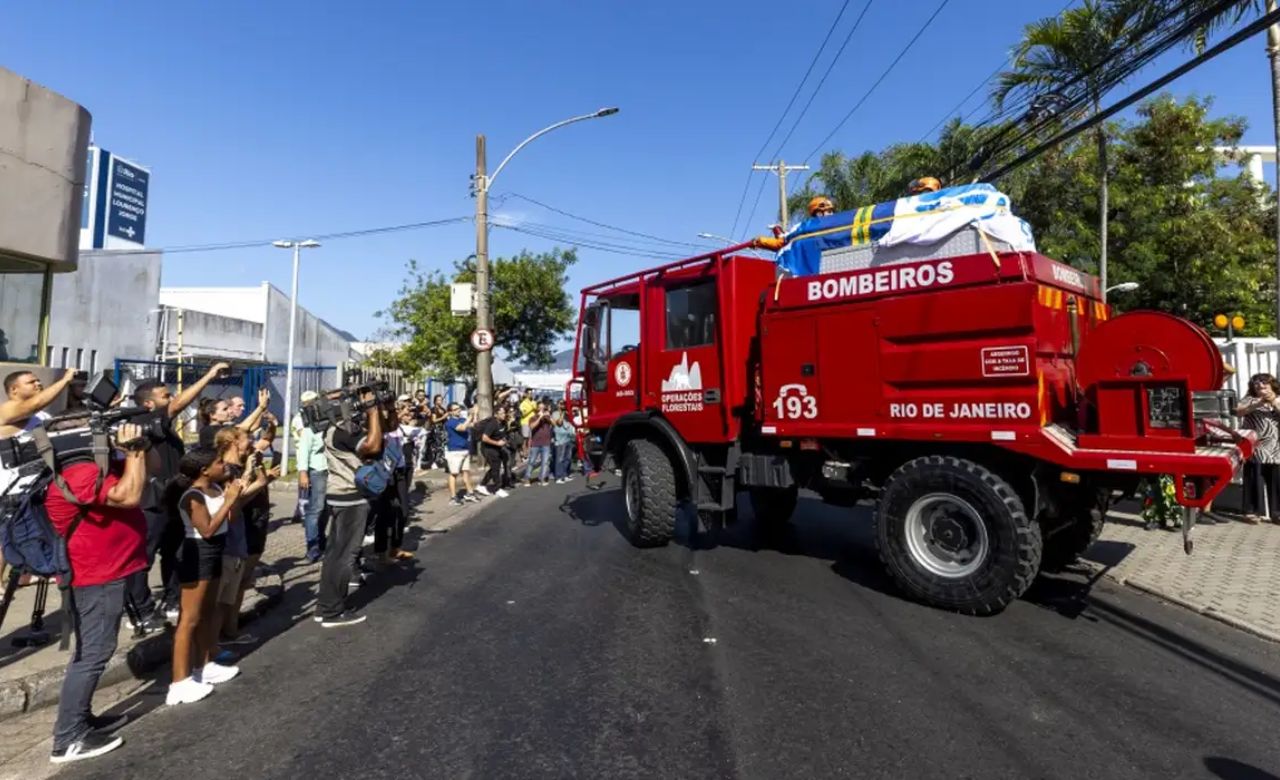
1061, 51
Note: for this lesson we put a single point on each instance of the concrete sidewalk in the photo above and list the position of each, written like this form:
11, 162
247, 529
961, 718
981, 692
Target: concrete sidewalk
31, 678
1233, 575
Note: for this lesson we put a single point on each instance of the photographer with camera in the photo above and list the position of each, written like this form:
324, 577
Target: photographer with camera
349, 446
106, 536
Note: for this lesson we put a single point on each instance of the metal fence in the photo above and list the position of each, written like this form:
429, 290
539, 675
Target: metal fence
1249, 356
242, 381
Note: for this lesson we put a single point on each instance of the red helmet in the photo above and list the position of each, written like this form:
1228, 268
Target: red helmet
924, 184
820, 202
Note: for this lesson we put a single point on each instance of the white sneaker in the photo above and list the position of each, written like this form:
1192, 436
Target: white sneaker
501, 493
214, 673
484, 491
187, 691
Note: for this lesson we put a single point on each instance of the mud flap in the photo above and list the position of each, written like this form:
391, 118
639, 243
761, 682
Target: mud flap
1189, 517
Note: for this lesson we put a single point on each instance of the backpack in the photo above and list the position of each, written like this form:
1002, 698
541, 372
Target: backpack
27, 537
29, 540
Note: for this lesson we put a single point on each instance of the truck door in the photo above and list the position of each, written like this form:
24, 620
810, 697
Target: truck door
684, 375
611, 355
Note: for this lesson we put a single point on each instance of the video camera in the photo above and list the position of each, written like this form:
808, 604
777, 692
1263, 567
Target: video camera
346, 407
72, 433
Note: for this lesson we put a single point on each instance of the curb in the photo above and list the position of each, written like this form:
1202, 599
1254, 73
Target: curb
44, 688
1209, 612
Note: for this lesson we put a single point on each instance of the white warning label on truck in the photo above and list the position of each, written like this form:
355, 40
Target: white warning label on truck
1006, 361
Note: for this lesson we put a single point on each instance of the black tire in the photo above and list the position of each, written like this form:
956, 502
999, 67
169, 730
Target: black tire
986, 551
774, 506
1082, 528
649, 490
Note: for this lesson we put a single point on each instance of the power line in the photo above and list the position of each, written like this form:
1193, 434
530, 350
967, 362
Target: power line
571, 215
878, 81
830, 66
1237, 38
795, 94
250, 244
556, 236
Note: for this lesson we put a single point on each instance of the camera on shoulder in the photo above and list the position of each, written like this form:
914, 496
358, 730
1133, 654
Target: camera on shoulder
76, 435
346, 406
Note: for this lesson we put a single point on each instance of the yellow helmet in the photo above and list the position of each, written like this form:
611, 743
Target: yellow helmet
924, 184
820, 202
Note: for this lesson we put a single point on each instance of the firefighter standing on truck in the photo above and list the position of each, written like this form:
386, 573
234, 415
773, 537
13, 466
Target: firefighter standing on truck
819, 206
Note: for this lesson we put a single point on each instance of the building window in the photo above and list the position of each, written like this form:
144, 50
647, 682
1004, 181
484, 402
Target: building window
48, 355
80, 359
93, 361
691, 315
66, 355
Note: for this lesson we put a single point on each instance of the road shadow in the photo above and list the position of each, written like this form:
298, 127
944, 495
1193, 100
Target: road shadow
1230, 769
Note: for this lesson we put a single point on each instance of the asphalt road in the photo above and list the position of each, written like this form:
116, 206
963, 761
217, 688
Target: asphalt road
533, 641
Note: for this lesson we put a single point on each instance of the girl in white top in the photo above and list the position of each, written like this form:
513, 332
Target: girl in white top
208, 501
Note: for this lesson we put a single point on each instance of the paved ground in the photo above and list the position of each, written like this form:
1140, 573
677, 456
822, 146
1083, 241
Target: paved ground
533, 641
1233, 575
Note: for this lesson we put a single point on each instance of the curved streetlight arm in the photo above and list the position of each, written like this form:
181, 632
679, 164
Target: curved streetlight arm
544, 131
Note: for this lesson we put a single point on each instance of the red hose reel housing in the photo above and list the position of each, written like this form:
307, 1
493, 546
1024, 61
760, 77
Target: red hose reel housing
1138, 372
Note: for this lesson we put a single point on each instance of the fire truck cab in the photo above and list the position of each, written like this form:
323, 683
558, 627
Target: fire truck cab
989, 405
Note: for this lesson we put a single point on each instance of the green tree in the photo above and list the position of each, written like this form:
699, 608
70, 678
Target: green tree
528, 298
1061, 50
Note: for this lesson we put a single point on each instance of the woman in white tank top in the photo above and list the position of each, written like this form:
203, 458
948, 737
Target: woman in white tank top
208, 502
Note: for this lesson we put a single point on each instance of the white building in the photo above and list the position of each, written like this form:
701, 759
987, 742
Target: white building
245, 323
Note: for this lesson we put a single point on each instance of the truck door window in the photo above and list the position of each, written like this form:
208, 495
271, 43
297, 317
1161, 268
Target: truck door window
691, 315
613, 327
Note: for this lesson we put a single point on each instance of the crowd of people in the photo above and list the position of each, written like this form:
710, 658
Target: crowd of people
198, 508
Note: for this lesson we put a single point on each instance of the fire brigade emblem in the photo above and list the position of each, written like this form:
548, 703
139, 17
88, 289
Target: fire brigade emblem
622, 374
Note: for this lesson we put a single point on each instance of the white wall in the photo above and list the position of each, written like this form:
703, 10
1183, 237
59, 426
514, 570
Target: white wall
316, 343
211, 336
241, 303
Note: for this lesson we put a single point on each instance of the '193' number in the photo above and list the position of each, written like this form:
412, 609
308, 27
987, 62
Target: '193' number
795, 407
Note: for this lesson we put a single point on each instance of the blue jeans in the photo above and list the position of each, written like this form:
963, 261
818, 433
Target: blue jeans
564, 457
543, 456
312, 521
95, 617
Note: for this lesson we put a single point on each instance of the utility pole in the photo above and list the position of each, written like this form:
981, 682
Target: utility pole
781, 169
1273, 53
484, 358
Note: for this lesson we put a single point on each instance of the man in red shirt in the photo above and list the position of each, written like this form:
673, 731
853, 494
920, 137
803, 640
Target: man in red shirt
107, 545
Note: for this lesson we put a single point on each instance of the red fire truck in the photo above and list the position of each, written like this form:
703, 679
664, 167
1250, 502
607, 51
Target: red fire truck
989, 404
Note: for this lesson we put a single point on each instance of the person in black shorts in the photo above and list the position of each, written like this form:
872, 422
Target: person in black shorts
206, 500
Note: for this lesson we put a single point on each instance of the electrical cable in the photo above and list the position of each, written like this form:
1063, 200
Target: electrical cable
1230, 42
795, 94
317, 237
880, 80
571, 215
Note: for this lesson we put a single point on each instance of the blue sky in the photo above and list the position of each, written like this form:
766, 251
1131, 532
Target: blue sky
292, 118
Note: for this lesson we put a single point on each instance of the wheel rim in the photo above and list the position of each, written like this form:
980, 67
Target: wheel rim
946, 535
631, 489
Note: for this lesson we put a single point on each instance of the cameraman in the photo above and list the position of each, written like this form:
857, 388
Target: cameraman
164, 530
106, 547
27, 397
347, 448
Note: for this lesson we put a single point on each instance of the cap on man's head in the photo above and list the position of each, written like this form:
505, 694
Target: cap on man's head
404, 397
308, 396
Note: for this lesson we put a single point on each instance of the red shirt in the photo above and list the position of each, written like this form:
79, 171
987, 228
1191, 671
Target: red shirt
110, 542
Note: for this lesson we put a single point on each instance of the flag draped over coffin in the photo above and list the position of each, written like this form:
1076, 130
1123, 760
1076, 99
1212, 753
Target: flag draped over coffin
920, 219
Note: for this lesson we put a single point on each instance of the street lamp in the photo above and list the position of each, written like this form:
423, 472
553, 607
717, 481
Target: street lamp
297, 247
1122, 287
483, 182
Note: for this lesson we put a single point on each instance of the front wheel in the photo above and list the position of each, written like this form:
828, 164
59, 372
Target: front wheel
955, 535
649, 488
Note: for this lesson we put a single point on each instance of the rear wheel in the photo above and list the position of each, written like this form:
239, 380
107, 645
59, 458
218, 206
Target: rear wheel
954, 534
1082, 528
649, 488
